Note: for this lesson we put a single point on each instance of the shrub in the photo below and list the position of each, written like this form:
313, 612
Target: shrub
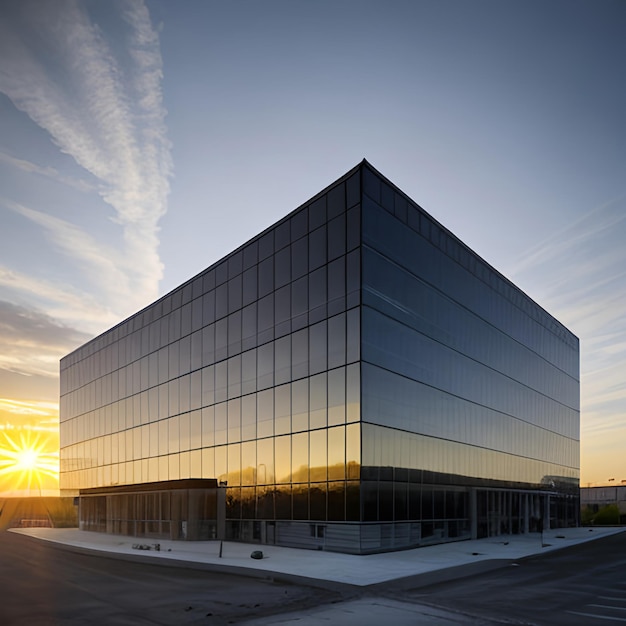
607, 516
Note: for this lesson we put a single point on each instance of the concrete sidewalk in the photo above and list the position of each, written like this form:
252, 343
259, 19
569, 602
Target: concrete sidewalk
324, 567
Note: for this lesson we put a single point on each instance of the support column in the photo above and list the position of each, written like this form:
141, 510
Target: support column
221, 512
509, 512
526, 512
473, 511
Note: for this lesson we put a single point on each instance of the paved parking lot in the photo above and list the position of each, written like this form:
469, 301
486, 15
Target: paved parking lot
329, 566
92, 578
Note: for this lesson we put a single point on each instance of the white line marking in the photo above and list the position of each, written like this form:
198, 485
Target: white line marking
606, 606
615, 619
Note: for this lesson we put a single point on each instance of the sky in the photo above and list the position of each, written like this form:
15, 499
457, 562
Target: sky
141, 141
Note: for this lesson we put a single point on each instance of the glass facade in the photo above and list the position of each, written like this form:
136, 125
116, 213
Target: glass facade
354, 378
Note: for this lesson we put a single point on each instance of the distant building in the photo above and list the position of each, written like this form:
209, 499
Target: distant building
598, 497
354, 378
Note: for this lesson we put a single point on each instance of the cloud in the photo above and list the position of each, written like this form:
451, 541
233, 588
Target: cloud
31, 415
101, 105
574, 237
98, 259
61, 301
579, 275
47, 172
31, 343
40, 409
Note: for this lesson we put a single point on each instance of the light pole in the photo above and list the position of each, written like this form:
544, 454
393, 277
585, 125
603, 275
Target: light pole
611, 480
221, 512
542, 521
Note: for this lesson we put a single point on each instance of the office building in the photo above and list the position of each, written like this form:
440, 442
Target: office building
354, 378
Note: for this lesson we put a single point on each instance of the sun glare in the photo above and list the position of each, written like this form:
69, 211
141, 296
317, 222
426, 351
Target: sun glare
27, 460
26, 465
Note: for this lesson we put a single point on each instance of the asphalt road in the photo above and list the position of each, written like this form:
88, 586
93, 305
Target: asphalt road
41, 584
579, 586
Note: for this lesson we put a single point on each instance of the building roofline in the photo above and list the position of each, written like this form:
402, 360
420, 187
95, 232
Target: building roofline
219, 261
572, 335
364, 163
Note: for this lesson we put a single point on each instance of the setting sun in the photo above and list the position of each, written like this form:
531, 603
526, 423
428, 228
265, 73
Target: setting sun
27, 460
29, 465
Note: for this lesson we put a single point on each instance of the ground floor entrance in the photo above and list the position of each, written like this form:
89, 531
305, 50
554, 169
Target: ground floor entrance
178, 510
200, 509
504, 512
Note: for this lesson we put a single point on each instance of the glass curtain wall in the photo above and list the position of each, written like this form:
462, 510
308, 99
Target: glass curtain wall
354, 364
249, 373
466, 383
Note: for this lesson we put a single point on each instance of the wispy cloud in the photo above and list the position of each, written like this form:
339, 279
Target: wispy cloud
99, 259
47, 172
31, 342
103, 108
40, 409
579, 275
596, 223
60, 300
31, 415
